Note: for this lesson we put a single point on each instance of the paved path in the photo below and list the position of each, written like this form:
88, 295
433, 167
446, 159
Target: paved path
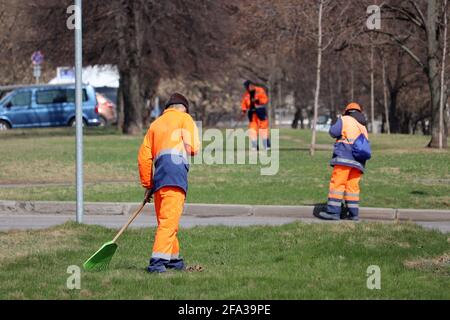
22, 222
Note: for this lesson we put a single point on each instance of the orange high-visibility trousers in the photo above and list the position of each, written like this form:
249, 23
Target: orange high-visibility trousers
344, 186
169, 202
259, 126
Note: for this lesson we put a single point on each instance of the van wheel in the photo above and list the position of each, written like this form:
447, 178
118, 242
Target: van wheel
73, 123
4, 125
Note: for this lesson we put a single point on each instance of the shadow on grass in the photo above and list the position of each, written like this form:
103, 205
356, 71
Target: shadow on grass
419, 193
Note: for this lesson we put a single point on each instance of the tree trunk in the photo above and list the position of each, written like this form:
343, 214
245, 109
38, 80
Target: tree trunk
332, 100
120, 105
443, 97
372, 90
352, 84
271, 95
393, 116
338, 103
128, 20
133, 102
296, 119
317, 91
433, 74
280, 94
385, 96
298, 116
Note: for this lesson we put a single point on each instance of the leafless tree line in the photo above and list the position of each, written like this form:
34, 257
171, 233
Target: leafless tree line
207, 48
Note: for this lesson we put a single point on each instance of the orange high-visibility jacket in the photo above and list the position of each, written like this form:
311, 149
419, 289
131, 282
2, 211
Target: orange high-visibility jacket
169, 141
346, 130
260, 97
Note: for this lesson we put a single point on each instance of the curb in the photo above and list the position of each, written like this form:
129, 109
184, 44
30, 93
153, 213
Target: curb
215, 210
419, 215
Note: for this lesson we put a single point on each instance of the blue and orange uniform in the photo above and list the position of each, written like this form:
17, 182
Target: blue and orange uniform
254, 103
347, 171
170, 140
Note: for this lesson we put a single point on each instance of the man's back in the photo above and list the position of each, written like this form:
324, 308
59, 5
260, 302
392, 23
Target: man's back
168, 142
174, 130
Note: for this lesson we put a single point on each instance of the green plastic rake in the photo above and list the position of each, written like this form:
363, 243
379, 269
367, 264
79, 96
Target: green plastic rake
101, 259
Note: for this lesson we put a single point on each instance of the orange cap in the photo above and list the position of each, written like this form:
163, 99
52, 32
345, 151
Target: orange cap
353, 106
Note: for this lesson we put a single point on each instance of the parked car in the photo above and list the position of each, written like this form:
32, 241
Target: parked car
46, 106
323, 123
106, 110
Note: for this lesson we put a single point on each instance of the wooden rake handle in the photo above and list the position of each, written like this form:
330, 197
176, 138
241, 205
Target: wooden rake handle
129, 221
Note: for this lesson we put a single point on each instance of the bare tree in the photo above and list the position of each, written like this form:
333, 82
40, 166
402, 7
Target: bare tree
372, 88
412, 12
146, 39
319, 64
385, 93
443, 88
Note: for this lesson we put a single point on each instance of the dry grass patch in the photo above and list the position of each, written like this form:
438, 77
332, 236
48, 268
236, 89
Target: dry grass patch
389, 170
40, 170
374, 242
18, 244
440, 263
340, 228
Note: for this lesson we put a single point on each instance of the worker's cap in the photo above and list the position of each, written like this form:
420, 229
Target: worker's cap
247, 83
353, 106
177, 98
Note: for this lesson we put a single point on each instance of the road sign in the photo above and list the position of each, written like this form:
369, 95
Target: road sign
37, 72
37, 58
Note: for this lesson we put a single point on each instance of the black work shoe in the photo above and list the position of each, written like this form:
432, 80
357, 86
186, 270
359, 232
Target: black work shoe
329, 216
176, 264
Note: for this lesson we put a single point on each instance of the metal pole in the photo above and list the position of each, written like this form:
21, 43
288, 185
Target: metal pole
79, 111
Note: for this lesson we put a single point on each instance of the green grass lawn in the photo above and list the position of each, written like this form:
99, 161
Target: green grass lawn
401, 174
295, 261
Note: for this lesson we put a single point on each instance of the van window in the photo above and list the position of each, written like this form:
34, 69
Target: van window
71, 95
21, 99
322, 119
51, 96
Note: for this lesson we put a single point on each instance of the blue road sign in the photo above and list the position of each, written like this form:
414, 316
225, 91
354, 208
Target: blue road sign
37, 58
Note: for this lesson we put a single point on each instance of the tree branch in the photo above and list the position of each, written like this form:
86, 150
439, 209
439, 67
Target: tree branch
419, 12
408, 14
404, 47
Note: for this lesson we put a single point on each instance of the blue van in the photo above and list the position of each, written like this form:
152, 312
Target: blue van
46, 106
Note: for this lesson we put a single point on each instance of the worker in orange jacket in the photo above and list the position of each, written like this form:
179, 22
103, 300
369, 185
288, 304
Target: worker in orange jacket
169, 141
348, 166
254, 103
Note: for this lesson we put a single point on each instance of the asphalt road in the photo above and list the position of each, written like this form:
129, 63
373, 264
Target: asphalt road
23, 222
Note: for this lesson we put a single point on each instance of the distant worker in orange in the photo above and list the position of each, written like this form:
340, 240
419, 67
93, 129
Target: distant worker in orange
254, 103
170, 140
351, 151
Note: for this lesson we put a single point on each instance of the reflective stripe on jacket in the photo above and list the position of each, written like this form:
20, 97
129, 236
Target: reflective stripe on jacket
346, 130
169, 141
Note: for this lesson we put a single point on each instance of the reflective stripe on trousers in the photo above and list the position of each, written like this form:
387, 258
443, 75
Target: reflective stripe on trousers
169, 202
344, 186
261, 127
